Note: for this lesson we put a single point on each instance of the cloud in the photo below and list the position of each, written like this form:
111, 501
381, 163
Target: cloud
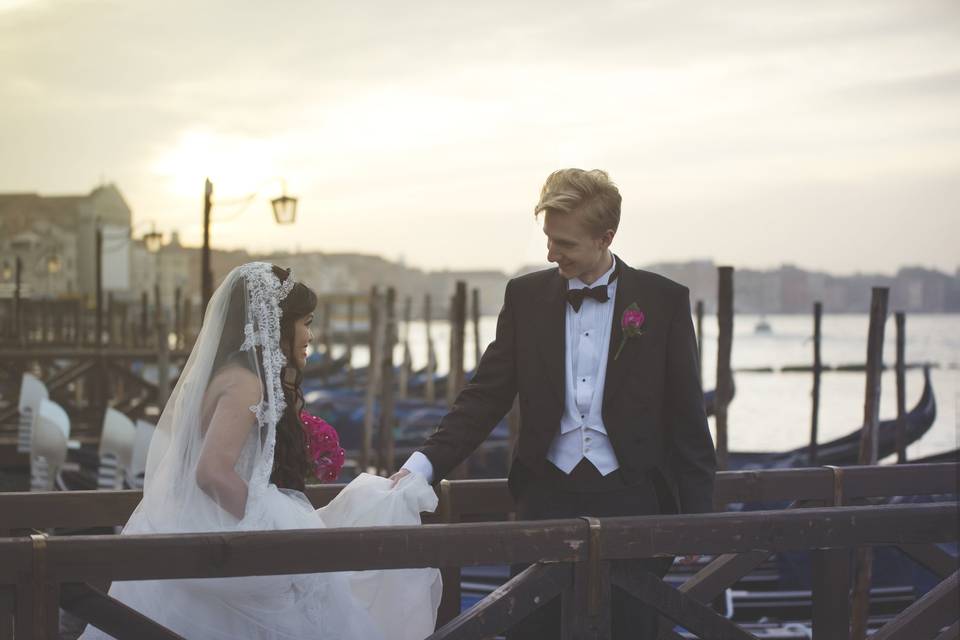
452, 113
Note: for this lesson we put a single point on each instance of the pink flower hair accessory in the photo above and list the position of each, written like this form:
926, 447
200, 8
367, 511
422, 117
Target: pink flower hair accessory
323, 447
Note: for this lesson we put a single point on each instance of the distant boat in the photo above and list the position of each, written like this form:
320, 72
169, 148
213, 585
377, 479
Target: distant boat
762, 327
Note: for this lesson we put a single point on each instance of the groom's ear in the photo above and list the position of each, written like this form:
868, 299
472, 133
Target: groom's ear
607, 238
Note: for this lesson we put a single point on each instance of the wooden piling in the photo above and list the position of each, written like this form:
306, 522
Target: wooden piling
77, 323
388, 400
815, 394
901, 320
373, 378
98, 338
699, 313
163, 364
430, 390
406, 365
187, 323
350, 375
475, 308
328, 329
458, 321
177, 318
724, 348
863, 567
144, 302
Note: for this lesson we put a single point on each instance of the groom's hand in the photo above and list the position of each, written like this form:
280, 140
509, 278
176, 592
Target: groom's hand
395, 478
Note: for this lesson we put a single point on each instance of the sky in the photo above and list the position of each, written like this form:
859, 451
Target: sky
822, 133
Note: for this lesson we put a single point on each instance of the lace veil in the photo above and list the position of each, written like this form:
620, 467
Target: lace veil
240, 336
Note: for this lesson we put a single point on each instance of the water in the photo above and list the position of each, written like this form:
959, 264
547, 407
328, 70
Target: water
772, 411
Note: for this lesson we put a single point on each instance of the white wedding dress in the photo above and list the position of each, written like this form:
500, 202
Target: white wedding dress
242, 327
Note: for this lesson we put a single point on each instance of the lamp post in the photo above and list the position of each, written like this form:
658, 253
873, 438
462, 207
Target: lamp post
284, 212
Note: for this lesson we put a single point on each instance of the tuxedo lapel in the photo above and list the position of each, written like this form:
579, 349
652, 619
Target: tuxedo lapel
552, 322
627, 293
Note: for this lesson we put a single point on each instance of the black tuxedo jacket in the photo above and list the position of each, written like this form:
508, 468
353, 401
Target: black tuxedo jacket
652, 399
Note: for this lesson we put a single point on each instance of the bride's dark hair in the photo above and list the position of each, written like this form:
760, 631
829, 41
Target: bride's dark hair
290, 464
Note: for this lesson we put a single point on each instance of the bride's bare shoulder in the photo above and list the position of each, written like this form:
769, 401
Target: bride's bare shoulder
236, 381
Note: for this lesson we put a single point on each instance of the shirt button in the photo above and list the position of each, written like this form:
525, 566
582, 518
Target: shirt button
583, 380
587, 334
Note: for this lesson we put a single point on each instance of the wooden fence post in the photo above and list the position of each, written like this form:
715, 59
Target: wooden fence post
863, 569
831, 593
815, 394
724, 348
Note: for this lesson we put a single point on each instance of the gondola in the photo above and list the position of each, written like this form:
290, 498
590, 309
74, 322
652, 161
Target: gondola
845, 450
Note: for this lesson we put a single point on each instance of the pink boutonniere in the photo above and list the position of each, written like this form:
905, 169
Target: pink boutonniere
631, 323
323, 447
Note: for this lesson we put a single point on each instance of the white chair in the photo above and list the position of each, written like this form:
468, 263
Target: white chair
48, 445
141, 444
32, 391
116, 449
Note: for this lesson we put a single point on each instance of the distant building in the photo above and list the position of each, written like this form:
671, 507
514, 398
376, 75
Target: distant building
54, 237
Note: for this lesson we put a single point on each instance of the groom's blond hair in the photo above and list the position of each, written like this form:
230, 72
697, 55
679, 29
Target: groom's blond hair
589, 194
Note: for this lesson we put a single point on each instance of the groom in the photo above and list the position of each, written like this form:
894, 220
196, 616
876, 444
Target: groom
604, 360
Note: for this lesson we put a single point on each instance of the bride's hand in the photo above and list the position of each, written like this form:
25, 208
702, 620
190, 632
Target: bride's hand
399, 475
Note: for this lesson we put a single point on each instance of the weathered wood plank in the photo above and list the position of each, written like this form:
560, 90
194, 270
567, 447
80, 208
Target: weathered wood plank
682, 609
927, 616
831, 593
722, 572
772, 485
937, 560
508, 603
491, 498
578, 620
950, 633
110, 615
655, 536
901, 480
7, 609
84, 558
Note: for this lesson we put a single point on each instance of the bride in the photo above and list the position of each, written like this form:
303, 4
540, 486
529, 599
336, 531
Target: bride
230, 454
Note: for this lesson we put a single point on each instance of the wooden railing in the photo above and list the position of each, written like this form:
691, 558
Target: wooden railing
577, 559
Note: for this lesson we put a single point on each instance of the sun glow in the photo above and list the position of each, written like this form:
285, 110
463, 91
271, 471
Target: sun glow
237, 166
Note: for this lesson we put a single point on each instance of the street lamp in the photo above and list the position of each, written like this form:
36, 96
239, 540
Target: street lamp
53, 264
153, 241
284, 212
284, 209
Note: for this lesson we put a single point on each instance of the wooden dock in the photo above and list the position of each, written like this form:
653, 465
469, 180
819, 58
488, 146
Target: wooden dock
576, 559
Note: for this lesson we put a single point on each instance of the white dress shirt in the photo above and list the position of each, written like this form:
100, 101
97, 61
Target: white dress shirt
581, 432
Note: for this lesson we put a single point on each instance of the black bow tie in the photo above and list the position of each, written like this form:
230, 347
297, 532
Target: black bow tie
575, 296
599, 293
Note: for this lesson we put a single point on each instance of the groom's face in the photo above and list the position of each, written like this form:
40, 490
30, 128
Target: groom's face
572, 246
